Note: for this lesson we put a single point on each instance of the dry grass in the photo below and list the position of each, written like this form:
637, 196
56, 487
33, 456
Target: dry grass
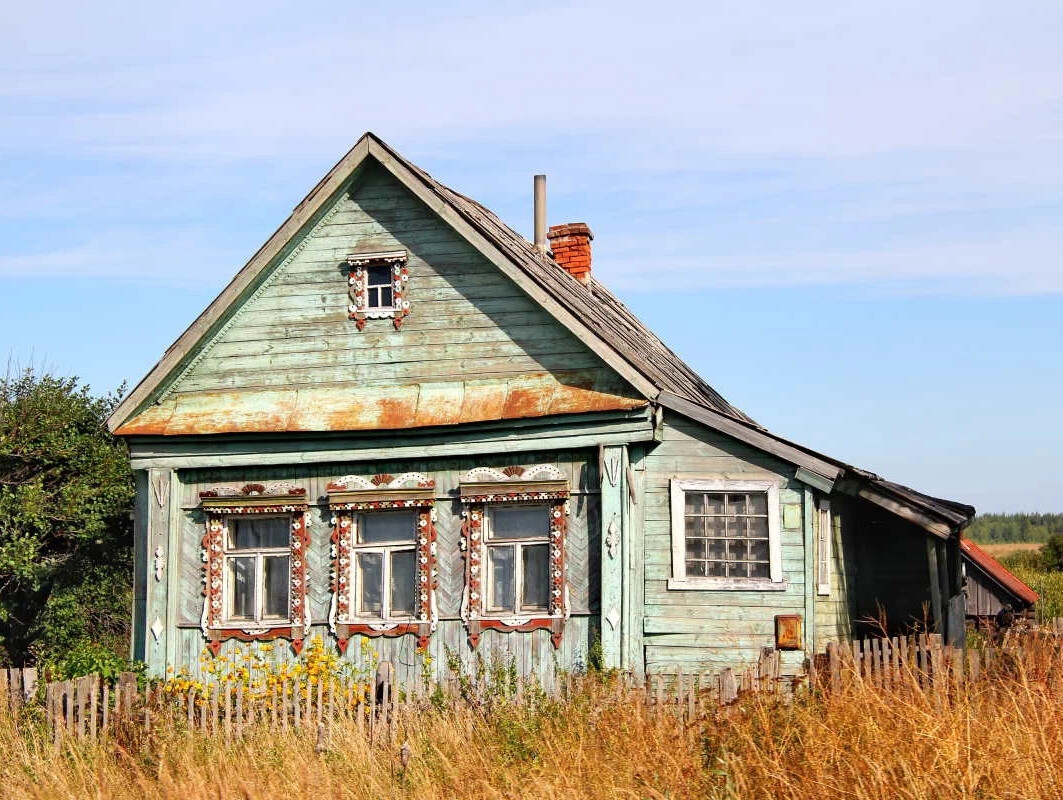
999, 739
1001, 550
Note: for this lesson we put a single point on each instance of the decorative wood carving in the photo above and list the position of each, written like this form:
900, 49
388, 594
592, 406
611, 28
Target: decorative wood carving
357, 282
253, 498
485, 486
352, 494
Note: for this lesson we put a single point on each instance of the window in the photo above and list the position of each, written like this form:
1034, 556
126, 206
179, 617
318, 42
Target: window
257, 568
518, 559
725, 535
377, 287
385, 564
384, 557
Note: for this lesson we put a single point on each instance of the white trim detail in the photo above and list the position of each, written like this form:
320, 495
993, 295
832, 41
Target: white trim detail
824, 541
536, 472
679, 579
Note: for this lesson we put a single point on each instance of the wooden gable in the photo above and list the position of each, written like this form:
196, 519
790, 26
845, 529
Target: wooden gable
474, 347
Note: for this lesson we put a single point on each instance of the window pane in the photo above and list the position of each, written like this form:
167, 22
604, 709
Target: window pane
370, 583
715, 526
520, 522
716, 548
242, 588
251, 532
403, 582
760, 571
697, 548
736, 504
697, 569
758, 527
715, 569
379, 275
696, 526
758, 550
758, 503
387, 527
536, 565
275, 577
501, 578
713, 503
695, 503
385, 296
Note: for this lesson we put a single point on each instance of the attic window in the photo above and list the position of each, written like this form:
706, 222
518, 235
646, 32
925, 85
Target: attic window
377, 287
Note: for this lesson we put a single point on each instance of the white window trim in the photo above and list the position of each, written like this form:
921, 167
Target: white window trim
824, 543
679, 579
518, 565
357, 616
258, 553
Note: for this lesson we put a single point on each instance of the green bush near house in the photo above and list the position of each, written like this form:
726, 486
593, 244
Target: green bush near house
66, 490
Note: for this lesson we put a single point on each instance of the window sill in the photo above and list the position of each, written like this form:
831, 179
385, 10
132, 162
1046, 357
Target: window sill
726, 585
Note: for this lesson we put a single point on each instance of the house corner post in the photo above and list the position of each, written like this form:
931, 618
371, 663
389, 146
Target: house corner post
611, 463
634, 481
155, 496
138, 645
810, 521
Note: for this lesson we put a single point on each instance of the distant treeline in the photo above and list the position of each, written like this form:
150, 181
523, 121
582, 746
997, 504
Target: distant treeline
1015, 527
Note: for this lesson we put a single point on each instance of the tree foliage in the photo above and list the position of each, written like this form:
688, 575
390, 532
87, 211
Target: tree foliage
66, 490
990, 528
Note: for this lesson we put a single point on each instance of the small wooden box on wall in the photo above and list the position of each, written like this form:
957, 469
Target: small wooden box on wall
787, 631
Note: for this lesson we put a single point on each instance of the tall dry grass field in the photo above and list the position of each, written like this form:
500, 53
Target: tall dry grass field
999, 738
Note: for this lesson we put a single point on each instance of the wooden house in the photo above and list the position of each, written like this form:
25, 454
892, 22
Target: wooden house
404, 428
990, 587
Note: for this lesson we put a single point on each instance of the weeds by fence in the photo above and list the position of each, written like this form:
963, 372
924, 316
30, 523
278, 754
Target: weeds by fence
89, 707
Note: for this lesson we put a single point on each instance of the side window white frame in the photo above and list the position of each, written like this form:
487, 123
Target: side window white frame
679, 579
385, 549
824, 543
259, 554
518, 546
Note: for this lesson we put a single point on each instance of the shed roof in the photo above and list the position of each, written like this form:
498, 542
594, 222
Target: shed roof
1023, 594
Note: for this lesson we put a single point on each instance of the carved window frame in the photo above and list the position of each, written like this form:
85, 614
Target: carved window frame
253, 499
484, 487
358, 287
352, 495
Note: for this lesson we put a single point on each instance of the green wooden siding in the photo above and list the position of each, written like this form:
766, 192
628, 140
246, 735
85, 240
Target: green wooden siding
181, 643
696, 629
466, 317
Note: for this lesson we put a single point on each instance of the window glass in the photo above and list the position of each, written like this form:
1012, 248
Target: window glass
520, 522
242, 587
536, 568
726, 534
370, 583
403, 570
379, 287
388, 526
501, 579
247, 533
275, 575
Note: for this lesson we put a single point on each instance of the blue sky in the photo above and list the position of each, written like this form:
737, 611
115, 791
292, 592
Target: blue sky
846, 218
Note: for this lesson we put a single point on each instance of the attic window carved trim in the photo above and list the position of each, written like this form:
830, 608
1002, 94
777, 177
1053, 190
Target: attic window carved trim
353, 494
485, 487
253, 499
367, 299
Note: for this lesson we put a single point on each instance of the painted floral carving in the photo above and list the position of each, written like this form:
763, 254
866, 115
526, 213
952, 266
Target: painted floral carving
485, 486
352, 495
362, 306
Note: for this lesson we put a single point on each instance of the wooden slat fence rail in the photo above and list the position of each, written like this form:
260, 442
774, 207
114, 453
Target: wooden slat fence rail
17, 687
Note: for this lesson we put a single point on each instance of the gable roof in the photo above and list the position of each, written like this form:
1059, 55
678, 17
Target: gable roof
592, 313
998, 573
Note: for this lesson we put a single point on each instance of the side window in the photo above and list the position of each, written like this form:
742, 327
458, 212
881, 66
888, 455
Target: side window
725, 534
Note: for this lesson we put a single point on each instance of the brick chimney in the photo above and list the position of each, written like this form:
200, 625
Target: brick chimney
571, 246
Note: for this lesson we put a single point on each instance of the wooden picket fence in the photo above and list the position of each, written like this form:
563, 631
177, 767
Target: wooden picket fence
17, 687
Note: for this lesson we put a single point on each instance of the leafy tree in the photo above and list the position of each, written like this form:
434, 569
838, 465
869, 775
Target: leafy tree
1015, 527
1052, 554
66, 490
